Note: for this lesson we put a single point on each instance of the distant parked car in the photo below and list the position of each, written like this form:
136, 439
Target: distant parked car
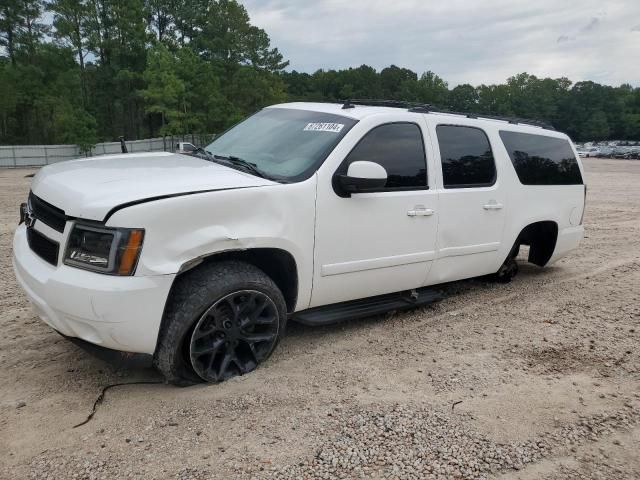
623, 152
634, 153
606, 151
589, 152
185, 147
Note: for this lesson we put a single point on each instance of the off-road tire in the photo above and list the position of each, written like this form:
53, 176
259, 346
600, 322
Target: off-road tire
191, 297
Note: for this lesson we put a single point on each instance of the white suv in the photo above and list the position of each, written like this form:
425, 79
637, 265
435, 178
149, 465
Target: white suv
316, 212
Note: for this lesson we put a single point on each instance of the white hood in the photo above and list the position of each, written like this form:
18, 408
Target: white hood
90, 188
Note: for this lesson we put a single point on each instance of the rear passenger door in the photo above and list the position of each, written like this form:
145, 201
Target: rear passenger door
472, 203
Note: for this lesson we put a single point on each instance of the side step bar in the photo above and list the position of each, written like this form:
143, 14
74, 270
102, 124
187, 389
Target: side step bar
367, 307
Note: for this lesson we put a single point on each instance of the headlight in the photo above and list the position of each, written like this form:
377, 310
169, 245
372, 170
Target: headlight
113, 251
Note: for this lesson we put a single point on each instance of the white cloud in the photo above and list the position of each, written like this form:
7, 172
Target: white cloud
462, 41
593, 24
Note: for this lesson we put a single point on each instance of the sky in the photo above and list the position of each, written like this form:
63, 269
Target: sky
481, 41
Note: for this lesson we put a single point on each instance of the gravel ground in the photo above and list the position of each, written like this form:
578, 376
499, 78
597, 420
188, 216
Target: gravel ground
537, 379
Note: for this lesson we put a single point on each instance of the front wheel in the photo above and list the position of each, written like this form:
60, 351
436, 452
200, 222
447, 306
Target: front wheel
224, 319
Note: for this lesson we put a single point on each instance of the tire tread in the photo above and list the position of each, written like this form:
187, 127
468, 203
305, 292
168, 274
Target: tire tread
190, 296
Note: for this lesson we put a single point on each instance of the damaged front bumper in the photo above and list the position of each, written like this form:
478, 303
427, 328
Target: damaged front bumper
118, 313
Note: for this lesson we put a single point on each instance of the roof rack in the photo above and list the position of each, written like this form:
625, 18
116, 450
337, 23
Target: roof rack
427, 108
381, 103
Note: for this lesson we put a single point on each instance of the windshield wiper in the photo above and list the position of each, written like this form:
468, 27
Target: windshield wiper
242, 163
202, 152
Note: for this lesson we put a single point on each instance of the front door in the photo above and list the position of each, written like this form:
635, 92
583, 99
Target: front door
377, 242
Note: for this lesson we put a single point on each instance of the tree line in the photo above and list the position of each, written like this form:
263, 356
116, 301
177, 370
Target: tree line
584, 110
83, 71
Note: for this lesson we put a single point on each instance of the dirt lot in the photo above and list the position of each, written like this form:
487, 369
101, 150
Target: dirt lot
538, 379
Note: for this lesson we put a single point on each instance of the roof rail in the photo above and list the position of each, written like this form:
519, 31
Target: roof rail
382, 103
427, 108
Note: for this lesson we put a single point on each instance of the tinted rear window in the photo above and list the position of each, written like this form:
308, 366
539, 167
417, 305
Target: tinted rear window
541, 160
467, 159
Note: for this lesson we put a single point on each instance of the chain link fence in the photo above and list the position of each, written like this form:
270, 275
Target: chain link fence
40, 155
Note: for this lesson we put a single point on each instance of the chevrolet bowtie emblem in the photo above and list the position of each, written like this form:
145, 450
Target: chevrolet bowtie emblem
26, 216
29, 220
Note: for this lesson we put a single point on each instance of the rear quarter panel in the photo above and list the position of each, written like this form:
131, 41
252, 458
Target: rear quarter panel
528, 204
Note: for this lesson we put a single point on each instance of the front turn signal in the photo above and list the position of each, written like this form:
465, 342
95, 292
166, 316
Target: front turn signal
130, 252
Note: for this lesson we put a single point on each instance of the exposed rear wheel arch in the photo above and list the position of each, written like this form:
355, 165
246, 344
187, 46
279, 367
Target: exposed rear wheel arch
541, 237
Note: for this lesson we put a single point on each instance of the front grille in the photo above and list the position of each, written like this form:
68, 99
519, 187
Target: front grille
43, 247
47, 213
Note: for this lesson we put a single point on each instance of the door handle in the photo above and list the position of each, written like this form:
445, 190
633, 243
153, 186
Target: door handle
493, 206
421, 212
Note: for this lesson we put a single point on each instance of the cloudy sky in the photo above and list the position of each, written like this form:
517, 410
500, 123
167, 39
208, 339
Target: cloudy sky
464, 41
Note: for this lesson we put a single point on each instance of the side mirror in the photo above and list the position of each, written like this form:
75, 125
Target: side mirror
363, 177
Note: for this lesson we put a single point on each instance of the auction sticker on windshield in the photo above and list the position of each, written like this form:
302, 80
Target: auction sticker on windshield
324, 127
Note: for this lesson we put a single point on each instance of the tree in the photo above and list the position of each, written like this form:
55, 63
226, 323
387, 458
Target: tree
430, 88
20, 26
165, 92
463, 98
70, 19
76, 126
8, 100
300, 86
10, 22
596, 127
169, 66
188, 18
32, 30
392, 79
494, 100
228, 38
160, 18
252, 90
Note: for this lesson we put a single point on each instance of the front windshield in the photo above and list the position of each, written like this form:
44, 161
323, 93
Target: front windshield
285, 144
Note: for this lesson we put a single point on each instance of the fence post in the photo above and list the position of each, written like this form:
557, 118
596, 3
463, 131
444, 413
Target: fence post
46, 156
13, 149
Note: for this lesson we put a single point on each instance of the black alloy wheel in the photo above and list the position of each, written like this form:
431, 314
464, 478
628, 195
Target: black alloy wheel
234, 335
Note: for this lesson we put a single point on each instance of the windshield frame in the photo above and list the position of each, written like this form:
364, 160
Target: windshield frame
313, 166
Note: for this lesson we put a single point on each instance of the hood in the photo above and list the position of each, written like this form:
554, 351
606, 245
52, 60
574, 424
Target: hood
90, 188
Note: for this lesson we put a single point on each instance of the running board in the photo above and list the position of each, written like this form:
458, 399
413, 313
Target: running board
367, 307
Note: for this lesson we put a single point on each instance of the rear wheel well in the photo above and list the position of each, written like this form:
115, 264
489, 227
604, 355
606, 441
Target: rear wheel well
541, 238
278, 264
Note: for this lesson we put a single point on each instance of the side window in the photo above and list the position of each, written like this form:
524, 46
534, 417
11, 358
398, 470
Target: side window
467, 159
541, 160
399, 148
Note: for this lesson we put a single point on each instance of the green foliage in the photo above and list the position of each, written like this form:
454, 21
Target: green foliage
227, 37
136, 68
165, 93
464, 98
76, 126
586, 110
394, 80
140, 68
